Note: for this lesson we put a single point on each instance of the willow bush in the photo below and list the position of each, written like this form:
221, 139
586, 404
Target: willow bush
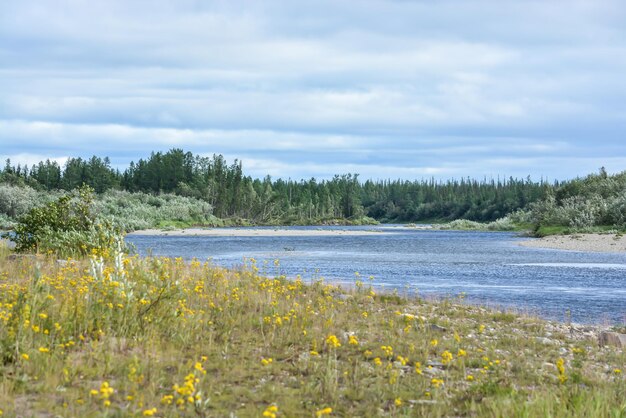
67, 227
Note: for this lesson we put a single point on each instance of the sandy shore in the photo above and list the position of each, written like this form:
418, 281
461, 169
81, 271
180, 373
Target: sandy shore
605, 243
252, 232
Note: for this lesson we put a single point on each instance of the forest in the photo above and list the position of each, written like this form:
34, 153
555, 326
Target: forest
180, 188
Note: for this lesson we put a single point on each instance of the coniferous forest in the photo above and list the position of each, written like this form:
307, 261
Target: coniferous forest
178, 186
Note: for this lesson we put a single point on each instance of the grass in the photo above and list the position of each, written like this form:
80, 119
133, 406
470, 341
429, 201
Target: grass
164, 337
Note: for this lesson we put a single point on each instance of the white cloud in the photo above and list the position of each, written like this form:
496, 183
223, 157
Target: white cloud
318, 85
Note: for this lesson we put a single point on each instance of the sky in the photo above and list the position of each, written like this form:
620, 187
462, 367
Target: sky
299, 89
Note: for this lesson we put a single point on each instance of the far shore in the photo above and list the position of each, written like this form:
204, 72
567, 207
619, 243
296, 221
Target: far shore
256, 232
602, 243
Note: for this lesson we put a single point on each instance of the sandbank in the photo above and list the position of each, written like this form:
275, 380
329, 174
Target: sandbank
604, 243
255, 232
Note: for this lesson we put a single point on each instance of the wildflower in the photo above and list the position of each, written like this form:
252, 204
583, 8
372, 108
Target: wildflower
43, 316
266, 361
149, 412
461, 353
198, 367
434, 342
387, 349
325, 411
333, 341
270, 411
418, 367
617, 371
469, 378
436, 382
481, 329
44, 350
314, 353
398, 402
353, 340
446, 357
378, 361
560, 366
364, 314
106, 390
25, 357
167, 399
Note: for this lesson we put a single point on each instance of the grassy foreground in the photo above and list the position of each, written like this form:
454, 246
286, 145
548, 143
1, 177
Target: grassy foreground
161, 337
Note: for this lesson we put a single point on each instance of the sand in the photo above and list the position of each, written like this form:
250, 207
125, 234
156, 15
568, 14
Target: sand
605, 243
253, 232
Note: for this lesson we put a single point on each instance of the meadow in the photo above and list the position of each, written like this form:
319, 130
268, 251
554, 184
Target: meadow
112, 335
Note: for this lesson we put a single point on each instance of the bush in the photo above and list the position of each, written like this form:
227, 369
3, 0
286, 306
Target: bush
134, 211
67, 227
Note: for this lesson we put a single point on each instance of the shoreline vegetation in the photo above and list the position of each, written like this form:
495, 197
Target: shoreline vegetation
176, 189
113, 335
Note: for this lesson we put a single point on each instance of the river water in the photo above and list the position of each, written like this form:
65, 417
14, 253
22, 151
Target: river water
490, 268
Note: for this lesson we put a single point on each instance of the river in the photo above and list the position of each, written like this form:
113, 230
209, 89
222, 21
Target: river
488, 268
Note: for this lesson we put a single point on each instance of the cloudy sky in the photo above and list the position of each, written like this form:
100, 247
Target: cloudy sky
387, 89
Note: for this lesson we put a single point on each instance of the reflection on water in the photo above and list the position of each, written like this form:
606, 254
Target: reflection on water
488, 267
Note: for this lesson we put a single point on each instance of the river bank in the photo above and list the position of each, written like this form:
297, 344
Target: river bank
256, 232
606, 243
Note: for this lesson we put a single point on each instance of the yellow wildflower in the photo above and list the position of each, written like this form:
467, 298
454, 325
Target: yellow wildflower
44, 350
436, 382
353, 340
560, 366
149, 412
25, 356
332, 341
270, 411
418, 367
325, 411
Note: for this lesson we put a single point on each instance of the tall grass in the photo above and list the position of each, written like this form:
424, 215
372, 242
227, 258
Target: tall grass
164, 337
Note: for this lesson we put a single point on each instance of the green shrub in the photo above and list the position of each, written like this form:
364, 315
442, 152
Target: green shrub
67, 227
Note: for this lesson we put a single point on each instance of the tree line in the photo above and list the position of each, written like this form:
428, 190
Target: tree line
234, 195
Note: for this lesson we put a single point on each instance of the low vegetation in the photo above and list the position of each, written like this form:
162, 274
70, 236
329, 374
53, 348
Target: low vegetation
112, 335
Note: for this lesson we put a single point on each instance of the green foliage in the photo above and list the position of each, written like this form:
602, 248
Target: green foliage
133, 211
193, 190
67, 227
594, 203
